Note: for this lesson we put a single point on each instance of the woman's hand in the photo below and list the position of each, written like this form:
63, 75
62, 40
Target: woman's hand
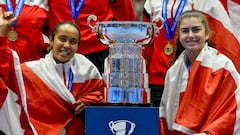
79, 108
6, 19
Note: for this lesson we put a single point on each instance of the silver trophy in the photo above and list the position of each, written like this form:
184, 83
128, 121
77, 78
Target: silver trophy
125, 69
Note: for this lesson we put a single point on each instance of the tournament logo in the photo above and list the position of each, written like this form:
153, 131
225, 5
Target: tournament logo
122, 127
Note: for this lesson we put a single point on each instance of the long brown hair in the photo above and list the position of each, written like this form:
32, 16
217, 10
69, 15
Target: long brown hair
188, 14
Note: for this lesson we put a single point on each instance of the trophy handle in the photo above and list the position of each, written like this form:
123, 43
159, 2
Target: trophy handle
111, 124
94, 18
156, 27
132, 128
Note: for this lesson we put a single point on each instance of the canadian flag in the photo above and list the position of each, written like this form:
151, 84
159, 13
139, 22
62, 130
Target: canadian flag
13, 116
225, 26
9, 111
233, 9
234, 14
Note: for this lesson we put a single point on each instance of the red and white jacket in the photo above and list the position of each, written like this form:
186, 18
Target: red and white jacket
32, 41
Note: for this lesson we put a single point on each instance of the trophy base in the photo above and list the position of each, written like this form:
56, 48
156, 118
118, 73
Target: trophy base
129, 104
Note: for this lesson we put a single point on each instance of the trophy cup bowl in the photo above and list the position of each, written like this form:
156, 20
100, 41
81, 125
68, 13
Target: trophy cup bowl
125, 32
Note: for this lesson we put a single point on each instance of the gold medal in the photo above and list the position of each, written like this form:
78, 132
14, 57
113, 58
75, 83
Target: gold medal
168, 49
12, 35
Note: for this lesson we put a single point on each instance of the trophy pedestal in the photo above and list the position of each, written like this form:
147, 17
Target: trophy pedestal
129, 104
120, 120
125, 75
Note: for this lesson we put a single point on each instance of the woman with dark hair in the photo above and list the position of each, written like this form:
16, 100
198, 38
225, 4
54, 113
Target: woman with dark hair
54, 89
79, 10
202, 86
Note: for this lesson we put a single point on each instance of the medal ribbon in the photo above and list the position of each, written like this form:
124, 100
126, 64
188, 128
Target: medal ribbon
70, 79
17, 10
171, 29
76, 10
187, 63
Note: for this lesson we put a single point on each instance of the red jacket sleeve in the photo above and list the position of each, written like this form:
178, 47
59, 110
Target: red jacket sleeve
7, 70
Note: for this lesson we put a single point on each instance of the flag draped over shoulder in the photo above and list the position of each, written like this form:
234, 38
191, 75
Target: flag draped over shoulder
46, 104
205, 99
13, 118
50, 104
10, 112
